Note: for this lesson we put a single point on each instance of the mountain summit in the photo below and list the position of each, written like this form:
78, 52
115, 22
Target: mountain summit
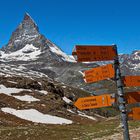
26, 33
26, 42
29, 22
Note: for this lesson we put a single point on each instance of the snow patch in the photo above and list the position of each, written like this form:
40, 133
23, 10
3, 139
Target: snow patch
43, 92
29, 52
84, 115
27, 98
9, 91
71, 111
67, 100
65, 57
36, 116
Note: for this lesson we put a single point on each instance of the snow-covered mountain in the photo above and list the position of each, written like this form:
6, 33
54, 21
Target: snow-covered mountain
131, 63
26, 43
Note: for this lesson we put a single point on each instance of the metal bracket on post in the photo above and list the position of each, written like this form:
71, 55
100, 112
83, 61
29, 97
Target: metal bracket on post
120, 97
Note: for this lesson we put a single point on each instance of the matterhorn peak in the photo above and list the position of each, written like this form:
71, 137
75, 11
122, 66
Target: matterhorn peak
26, 33
27, 42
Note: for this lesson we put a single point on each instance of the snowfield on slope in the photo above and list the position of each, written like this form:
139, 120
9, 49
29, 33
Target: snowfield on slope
29, 98
9, 91
65, 57
36, 116
10, 70
29, 52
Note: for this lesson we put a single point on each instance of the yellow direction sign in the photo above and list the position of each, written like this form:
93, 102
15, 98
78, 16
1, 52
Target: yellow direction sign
99, 73
130, 81
94, 102
87, 53
132, 97
135, 113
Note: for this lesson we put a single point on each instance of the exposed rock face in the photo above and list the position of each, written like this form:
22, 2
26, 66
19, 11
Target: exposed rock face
131, 63
26, 33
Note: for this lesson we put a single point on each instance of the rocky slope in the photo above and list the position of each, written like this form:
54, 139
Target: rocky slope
24, 101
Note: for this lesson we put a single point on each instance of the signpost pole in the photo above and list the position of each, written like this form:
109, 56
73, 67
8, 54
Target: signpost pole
121, 98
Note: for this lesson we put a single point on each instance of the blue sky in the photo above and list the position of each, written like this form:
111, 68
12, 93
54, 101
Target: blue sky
71, 22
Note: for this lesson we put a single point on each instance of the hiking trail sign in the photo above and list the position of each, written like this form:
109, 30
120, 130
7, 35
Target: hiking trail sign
99, 73
89, 53
94, 102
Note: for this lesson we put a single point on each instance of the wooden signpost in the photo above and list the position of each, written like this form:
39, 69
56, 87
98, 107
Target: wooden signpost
99, 73
131, 81
91, 53
94, 102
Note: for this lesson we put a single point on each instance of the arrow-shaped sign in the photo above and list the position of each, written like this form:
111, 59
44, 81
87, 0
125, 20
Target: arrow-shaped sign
99, 73
94, 102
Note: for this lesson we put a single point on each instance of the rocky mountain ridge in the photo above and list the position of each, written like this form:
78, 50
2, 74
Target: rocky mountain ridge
27, 39
131, 63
